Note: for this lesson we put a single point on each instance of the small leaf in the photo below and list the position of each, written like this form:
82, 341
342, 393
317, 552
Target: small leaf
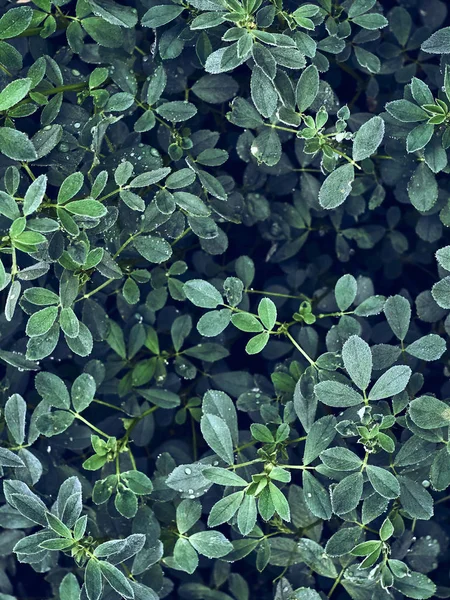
334, 393
428, 412
336, 187
307, 88
202, 294
225, 509
370, 135
267, 312
398, 314
390, 383
357, 359
383, 482
218, 437
212, 544
345, 291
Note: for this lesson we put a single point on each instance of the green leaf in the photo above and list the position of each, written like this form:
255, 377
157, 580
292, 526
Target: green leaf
390, 383
345, 291
180, 179
383, 482
371, 21
225, 509
52, 389
212, 544
340, 459
257, 343
386, 529
152, 248
137, 482
415, 585
267, 312
188, 513
176, 111
428, 412
264, 60
415, 499
70, 187
9, 459
343, 541
441, 292
261, 433
54, 423
34, 195
247, 514
357, 359
334, 393
246, 322
14, 21
114, 13
14, 92
440, 470
218, 437
367, 59
41, 321
69, 322
16, 145
86, 208
102, 32
422, 188
336, 187
15, 415
116, 579
307, 88
83, 391
405, 111
280, 502
149, 178
202, 294
365, 548
347, 493
191, 204
161, 15
215, 89
224, 477
316, 496
320, 436
398, 314
58, 526
312, 554
369, 136
443, 257
31, 507
93, 580
263, 93
438, 43
429, 347
69, 587
419, 137
185, 556
126, 503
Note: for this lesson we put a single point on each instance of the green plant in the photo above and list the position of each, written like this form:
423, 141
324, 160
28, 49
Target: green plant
225, 273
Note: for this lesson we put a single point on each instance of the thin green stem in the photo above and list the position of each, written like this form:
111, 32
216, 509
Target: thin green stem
246, 464
97, 289
300, 349
336, 582
86, 422
276, 294
107, 404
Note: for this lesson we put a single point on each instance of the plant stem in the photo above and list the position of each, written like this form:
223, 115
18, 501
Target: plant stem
300, 349
86, 422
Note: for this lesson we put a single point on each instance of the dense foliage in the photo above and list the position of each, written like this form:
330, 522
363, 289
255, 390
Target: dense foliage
225, 287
